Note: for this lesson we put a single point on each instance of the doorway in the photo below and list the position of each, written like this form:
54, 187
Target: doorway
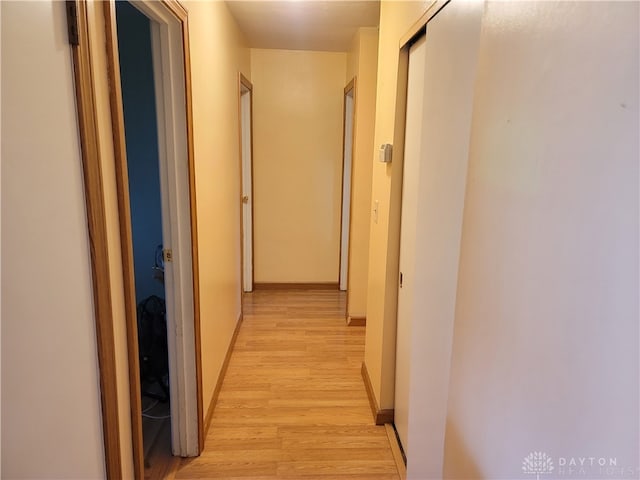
246, 169
162, 29
347, 162
143, 170
97, 82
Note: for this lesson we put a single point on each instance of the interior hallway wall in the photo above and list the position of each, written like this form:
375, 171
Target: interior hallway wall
362, 62
297, 106
51, 413
218, 53
546, 347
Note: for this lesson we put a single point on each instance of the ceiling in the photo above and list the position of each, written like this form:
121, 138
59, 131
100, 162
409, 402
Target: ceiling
327, 25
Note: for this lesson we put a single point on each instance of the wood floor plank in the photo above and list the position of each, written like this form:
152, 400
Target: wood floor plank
248, 433
334, 455
220, 469
292, 404
331, 468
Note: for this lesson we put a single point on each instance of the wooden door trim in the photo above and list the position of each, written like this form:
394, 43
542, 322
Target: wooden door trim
351, 87
126, 237
97, 227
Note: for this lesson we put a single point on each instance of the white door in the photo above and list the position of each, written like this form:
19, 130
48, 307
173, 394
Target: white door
247, 197
412, 154
346, 187
442, 69
167, 50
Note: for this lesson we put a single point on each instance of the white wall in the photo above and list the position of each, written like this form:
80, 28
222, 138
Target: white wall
51, 420
545, 353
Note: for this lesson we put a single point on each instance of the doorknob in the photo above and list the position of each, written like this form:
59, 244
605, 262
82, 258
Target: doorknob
245, 199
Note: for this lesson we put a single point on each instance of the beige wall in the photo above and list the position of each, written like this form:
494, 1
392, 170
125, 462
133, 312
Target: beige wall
395, 20
362, 62
297, 165
51, 420
545, 353
353, 56
218, 53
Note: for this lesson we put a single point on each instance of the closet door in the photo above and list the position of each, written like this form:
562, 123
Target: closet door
412, 155
442, 72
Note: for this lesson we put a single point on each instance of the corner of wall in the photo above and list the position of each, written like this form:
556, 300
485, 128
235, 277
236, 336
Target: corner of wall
395, 20
364, 56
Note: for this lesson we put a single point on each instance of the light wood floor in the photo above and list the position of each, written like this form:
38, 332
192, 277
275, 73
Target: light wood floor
293, 404
156, 434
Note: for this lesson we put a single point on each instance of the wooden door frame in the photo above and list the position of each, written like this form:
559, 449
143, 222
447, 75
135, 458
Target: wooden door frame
88, 128
90, 134
180, 390
244, 82
350, 87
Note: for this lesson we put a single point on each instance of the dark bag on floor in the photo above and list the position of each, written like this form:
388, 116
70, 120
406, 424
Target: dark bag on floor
153, 351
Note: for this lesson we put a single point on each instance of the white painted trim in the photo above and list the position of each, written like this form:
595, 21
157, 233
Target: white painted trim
247, 181
168, 66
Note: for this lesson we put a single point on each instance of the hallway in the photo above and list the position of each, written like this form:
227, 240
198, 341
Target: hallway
293, 403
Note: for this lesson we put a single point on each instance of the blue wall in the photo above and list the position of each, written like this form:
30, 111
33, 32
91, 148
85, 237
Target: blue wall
136, 72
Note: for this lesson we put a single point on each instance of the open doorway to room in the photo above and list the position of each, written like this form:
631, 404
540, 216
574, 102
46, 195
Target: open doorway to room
246, 181
150, 104
347, 167
143, 170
